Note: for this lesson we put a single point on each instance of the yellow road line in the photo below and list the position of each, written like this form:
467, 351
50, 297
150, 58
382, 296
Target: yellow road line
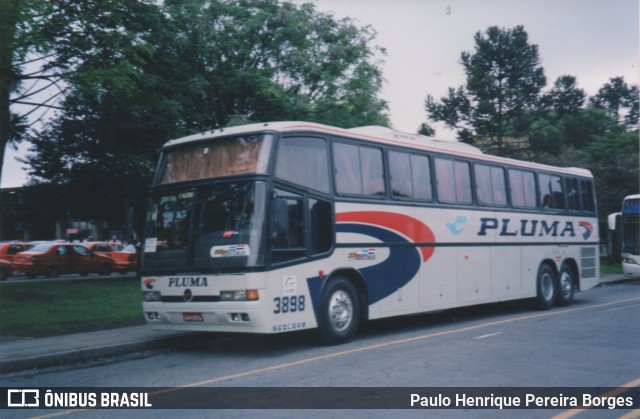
399, 342
613, 393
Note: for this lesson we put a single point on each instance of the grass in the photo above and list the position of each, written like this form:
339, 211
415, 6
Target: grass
61, 307
608, 268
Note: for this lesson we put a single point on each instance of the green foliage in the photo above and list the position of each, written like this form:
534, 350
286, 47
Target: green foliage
267, 60
620, 101
503, 84
140, 73
504, 110
613, 159
59, 307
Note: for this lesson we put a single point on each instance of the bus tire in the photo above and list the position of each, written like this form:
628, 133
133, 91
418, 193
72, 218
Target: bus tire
339, 312
546, 287
566, 286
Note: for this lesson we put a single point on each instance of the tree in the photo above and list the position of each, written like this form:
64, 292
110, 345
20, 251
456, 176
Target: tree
16, 41
620, 101
48, 45
259, 60
504, 81
189, 66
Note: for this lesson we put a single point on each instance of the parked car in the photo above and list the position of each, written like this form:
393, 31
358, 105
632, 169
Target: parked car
103, 248
8, 250
5, 269
53, 259
32, 244
126, 259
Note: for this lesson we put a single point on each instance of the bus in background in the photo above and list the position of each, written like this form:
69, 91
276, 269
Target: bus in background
626, 226
284, 226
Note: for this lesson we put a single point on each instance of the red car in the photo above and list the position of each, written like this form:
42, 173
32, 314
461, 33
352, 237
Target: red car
103, 248
5, 269
10, 249
126, 259
52, 259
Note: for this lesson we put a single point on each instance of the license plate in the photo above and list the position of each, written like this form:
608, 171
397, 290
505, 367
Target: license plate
192, 317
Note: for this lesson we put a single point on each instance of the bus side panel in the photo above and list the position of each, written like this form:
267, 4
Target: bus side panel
391, 271
440, 280
289, 297
507, 277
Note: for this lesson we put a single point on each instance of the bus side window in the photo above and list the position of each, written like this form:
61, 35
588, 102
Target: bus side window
288, 223
453, 181
551, 191
490, 185
321, 225
522, 186
347, 167
586, 193
280, 222
372, 171
573, 197
359, 170
400, 171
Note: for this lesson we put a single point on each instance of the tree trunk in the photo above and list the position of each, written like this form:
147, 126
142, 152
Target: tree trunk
9, 11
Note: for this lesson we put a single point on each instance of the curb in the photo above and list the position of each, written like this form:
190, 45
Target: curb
75, 356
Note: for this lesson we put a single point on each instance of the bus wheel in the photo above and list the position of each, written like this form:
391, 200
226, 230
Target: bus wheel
339, 312
546, 287
565, 286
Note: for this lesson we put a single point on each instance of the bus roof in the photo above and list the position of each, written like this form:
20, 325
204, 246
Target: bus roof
376, 134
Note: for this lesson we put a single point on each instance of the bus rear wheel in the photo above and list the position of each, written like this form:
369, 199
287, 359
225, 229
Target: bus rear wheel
339, 312
565, 286
546, 287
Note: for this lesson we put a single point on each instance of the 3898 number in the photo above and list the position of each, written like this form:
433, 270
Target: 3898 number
289, 304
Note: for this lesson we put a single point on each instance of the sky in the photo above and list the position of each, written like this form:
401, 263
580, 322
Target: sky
593, 40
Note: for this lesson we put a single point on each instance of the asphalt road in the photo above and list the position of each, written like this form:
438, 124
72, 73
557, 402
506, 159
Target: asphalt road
593, 343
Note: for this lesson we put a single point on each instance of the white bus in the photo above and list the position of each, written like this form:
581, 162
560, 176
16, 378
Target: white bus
276, 227
627, 226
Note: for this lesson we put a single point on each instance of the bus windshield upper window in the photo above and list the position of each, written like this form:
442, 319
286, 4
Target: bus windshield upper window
215, 158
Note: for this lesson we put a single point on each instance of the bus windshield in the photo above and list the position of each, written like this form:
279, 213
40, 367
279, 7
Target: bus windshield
207, 228
631, 226
215, 158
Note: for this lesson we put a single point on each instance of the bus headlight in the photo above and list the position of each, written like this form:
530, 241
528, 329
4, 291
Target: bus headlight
243, 295
152, 296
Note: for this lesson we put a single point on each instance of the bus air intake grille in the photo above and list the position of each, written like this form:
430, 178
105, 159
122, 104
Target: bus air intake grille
195, 299
588, 262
